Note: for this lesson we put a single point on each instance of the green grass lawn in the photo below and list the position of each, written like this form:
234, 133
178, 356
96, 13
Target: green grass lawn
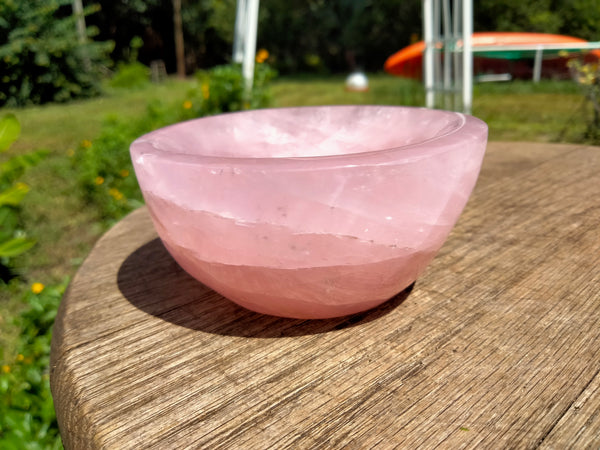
518, 111
383, 90
66, 228
550, 111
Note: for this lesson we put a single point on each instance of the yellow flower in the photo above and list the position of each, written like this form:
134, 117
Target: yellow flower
205, 91
20, 357
262, 55
124, 173
187, 104
36, 288
115, 193
86, 143
99, 180
6, 369
70, 152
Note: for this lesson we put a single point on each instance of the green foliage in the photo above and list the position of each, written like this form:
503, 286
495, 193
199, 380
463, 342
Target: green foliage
517, 15
13, 241
131, 75
27, 417
41, 57
104, 167
122, 20
10, 129
587, 75
222, 90
365, 32
343, 34
317, 35
578, 18
207, 27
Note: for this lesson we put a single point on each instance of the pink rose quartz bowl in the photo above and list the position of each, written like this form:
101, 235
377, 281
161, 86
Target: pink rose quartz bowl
311, 212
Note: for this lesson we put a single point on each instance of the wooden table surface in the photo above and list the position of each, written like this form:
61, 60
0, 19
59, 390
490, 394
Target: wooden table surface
497, 345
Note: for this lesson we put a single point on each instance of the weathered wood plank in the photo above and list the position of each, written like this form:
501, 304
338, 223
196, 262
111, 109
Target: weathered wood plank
580, 426
495, 346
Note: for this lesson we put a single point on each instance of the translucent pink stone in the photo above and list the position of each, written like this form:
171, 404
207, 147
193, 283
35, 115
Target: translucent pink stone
310, 212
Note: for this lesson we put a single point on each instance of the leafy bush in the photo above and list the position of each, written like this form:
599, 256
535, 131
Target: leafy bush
104, 166
587, 75
41, 57
131, 75
13, 241
105, 171
221, 90
27, 417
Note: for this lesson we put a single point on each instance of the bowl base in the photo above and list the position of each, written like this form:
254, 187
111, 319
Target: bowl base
306, 293
297, 309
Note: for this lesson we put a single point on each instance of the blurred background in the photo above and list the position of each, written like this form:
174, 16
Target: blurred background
316, 36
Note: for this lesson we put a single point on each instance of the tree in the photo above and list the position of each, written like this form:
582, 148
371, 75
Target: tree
207, 30
41, 58
581, 18
516, 15
328, 35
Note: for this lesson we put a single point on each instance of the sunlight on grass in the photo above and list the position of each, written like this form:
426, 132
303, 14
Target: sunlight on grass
545, 112
383, 90
59, 127
521, 110
55, 216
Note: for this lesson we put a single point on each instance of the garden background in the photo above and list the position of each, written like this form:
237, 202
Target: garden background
70, 107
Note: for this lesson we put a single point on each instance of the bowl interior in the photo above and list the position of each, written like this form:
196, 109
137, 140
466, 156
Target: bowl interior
306, 131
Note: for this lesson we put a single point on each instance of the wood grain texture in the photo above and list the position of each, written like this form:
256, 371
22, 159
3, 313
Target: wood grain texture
496, 346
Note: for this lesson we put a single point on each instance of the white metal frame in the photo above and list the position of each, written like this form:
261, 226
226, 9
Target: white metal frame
448, 28
244, 41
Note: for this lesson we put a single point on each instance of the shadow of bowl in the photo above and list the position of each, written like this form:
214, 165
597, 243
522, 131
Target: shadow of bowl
166, 291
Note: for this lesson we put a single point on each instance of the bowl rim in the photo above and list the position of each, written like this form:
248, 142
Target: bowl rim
469, 128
